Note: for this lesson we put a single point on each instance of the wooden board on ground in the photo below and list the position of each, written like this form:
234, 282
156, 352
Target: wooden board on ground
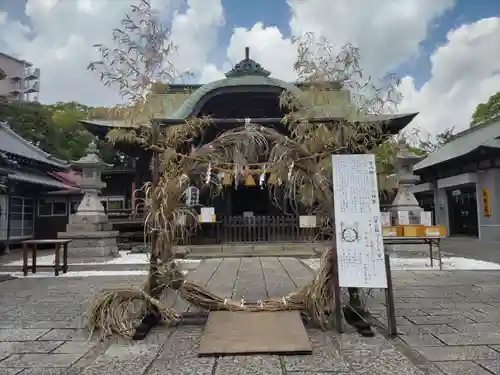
240, 333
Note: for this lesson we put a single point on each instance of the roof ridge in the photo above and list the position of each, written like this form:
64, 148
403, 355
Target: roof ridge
6, 127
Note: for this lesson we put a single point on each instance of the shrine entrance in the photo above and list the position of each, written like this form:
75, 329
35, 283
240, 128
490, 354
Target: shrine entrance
250, 201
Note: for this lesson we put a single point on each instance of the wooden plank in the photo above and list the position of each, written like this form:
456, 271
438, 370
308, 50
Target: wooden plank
203, 273
233, 333
223, 281
299, 273
276, 279
250, 282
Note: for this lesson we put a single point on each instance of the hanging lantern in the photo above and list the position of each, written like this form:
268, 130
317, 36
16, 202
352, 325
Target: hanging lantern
192, 194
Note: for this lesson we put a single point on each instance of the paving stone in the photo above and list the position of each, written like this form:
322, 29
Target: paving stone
424, 339
457, 353
132, 358
488, 338
426, 328
20, 347
249, 365
14, 334
43, 371
74, 347
475, 327
40, 360
10, 371
179, 355
438, 319
65, 335
380, 362
492, 365
324, 357
461, 368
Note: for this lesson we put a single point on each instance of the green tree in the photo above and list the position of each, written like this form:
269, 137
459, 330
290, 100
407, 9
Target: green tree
487, 111
2, 74
53, 128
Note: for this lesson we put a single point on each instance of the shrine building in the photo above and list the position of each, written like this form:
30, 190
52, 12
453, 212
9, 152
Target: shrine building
247, 94
460, 182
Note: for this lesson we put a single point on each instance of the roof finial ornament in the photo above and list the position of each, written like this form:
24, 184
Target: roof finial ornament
247, 67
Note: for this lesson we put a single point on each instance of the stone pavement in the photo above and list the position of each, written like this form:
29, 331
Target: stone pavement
41, 330
452, 318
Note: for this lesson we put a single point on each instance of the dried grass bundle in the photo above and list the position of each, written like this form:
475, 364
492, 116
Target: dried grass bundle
204, 299
121, 311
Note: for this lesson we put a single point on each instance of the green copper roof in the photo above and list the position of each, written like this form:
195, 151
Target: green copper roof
186, 109
246, 73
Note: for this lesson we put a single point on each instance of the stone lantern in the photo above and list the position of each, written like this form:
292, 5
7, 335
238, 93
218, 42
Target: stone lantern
405, 204
88, 228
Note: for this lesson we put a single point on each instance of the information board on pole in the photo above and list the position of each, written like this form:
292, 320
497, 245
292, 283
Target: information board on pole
360, 248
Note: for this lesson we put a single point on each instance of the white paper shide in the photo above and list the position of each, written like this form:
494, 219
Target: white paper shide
358, 227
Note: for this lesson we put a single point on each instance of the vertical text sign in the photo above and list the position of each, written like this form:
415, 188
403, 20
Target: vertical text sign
358, 228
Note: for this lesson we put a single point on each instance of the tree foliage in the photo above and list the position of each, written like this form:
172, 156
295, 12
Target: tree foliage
2, 74
55, 128
487, 111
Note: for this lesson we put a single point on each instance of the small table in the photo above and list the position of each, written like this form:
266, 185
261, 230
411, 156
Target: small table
34, 243
428, 240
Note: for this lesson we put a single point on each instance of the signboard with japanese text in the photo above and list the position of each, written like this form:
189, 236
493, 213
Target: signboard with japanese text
358, 227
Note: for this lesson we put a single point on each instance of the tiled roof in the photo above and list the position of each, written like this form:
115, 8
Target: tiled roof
13, 143
482, 135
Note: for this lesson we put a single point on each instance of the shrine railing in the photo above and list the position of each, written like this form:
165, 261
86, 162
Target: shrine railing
258, 229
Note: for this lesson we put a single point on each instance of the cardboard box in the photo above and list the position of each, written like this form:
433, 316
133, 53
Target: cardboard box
392, 231
413, 230
435, 231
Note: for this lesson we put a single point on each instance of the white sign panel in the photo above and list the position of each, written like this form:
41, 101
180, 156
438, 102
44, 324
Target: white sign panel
386, 219
360, 249
403, 217
207, 215
426, 218
307, 221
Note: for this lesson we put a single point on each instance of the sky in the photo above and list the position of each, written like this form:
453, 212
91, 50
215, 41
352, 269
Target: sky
447, 52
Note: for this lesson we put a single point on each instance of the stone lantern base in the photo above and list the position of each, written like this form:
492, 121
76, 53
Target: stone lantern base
91, 236
92, 244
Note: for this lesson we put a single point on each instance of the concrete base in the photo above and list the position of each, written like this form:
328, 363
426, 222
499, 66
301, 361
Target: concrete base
91, 244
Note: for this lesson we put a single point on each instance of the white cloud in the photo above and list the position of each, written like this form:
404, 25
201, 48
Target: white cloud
60, 38
465, 72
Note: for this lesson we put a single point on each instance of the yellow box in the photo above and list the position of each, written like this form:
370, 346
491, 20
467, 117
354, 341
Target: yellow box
435, 231
413, 230
393, 231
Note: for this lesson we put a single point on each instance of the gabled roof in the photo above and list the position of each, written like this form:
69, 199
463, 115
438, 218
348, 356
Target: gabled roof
13, 143
484, 135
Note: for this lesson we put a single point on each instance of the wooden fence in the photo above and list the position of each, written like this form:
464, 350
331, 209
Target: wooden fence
257, 229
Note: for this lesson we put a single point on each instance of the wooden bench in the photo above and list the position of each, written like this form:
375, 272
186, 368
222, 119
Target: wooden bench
33, 245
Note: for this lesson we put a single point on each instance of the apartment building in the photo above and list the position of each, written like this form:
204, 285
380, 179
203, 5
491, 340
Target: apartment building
22, 81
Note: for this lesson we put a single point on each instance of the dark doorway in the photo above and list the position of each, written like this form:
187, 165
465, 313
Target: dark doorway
462, 211
250, 199
426, 201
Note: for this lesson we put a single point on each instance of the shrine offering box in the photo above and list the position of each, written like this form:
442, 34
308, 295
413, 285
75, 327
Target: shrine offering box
413, 230
435, 231
392, 231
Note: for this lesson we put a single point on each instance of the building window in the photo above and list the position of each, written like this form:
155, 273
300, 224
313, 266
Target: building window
50, 207
113, 203
73, 206
22, 217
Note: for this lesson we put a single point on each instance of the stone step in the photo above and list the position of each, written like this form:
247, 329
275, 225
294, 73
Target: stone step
282, 253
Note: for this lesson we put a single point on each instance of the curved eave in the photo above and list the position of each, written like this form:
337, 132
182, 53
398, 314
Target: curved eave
491, 147
101, 128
